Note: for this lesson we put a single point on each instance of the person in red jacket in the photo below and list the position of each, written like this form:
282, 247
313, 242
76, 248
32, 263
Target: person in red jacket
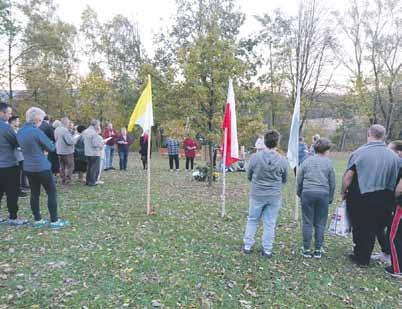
190, 146
111, 135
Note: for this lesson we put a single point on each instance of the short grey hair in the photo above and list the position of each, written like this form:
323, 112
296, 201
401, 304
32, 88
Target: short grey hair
56, 124
377, 131
316, 137
34, 114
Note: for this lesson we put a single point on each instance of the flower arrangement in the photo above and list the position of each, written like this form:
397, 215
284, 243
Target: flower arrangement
201, 173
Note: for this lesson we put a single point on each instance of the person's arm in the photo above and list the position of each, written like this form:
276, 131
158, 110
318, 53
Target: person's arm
285, 172
346, 182
11, 137
299, 180
68, 138
332, 184
97, 142
45, 142
398, 190
250, 169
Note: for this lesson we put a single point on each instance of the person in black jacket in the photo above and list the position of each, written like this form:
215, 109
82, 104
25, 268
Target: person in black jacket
144, 150
48, 129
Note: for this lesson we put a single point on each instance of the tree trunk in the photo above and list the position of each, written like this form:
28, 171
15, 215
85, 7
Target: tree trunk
211, 162
10, 75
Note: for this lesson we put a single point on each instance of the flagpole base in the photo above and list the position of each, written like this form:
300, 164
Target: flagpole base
150, 210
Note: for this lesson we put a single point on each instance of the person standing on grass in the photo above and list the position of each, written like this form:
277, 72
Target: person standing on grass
65, 143
395, 270
34, 143
123, 145
190, 146
144, 150
368, 187
316, 137
173, 146
267, 172
316, 187
383, 233
93, 146
9, 171
14, 122
48, 129
110, 135
80, 161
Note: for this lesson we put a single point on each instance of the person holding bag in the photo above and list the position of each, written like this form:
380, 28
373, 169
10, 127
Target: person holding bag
316, 187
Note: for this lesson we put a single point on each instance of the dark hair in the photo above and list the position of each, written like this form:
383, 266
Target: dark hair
396, 145
3, 107
46, 118
12, 119
271, 139
81, 128
322, 145
301, 139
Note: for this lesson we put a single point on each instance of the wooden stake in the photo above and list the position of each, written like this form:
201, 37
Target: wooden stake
149, 173
223, 196
296, 211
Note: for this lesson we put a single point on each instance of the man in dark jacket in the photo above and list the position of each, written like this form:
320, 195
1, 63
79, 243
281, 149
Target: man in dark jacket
9, 171
48, 129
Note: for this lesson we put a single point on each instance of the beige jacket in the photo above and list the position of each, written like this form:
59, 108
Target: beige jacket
93, 142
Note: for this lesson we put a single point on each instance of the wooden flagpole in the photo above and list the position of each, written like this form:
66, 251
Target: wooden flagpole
296, 211
223, 196
149, 172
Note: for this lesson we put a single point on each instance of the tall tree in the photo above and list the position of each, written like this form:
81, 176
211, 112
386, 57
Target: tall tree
10, 28
48, 62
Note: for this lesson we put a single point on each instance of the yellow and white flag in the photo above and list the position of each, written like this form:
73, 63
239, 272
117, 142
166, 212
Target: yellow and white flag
143, 113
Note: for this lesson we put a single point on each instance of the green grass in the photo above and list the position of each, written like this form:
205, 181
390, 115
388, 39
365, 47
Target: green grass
113, 256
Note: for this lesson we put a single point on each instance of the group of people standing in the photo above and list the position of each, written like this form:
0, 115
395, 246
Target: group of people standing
371, 187
40, 150
173, 147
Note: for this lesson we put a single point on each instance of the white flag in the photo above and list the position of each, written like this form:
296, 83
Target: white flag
293, 146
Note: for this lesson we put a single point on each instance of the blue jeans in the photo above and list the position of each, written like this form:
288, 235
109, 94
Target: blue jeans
109, 152
266, 208
123, 156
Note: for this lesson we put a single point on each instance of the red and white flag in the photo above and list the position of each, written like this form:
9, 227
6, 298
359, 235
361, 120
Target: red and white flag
230, 145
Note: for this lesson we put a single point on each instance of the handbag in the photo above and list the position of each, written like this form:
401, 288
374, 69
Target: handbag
340, 223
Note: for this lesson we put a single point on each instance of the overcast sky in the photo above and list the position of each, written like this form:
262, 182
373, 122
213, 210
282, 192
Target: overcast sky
152, 14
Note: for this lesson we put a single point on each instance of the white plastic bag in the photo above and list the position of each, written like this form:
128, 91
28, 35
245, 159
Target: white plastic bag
340, 223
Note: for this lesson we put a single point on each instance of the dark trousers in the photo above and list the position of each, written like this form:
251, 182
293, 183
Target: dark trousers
383, 233
66, 168
45, 179
396, 241
123, 156
174, 158
367, 213
189, 163
315, 214
93, 168
10, 185
23, 177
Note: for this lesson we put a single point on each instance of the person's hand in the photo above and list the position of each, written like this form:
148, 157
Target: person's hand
343, 195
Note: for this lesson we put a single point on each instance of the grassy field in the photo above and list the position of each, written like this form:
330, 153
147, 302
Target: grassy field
113, 256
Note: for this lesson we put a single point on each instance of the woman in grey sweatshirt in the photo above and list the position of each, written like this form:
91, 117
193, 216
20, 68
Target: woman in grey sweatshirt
316, 187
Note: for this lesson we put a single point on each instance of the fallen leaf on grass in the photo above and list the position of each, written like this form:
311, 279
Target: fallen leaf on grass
156, 303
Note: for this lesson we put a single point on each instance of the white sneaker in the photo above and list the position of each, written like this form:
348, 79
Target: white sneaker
386, 259
100, 182
377, 256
